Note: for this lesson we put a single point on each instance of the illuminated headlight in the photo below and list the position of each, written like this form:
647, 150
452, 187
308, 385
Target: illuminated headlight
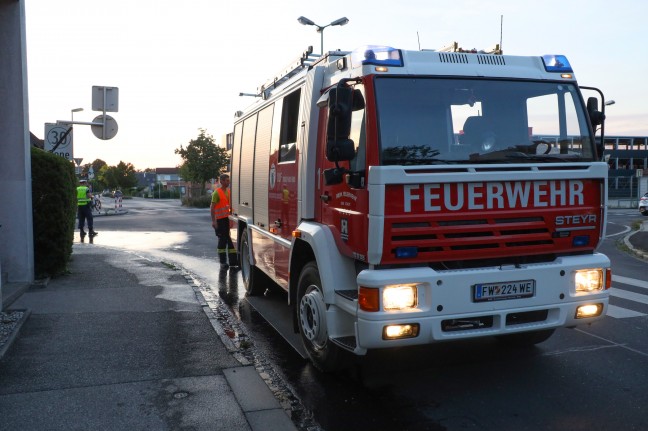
589, 310
399, 297
393, 332
589, 280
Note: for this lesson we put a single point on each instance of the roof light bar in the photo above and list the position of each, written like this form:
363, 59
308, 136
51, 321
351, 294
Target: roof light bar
557, 64
377, 55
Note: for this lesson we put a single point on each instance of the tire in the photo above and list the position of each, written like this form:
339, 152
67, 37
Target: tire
526, 339
248, 271
643, 211
311, 319
98, 205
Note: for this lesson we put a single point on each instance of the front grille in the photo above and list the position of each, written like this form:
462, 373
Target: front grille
526, 317
441, 238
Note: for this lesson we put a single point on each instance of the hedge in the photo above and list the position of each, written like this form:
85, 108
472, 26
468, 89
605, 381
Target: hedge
54, 209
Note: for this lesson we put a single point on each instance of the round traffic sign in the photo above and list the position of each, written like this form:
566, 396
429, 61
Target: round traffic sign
109, 124
54, 134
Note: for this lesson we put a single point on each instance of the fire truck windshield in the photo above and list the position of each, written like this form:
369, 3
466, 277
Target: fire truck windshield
440, 120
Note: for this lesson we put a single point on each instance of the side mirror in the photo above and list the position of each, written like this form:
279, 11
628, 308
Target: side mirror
338, 145
358, 100
596, 116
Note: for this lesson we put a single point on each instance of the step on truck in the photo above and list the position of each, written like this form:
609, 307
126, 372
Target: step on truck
403, 198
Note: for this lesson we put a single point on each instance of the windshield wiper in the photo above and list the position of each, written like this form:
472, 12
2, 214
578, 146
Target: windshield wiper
515, 153
537, 157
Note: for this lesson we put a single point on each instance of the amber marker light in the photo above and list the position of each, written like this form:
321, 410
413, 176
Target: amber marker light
368, 299
296, 234
608, 278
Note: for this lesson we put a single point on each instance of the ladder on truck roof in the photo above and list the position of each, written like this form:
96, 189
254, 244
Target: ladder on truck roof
454, 47
307, 59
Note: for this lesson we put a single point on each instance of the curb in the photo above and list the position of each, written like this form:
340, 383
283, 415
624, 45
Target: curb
14, 333
110, 212
234, 338
626, 240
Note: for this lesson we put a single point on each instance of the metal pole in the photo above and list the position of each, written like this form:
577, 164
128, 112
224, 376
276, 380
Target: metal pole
103, 129
322, 41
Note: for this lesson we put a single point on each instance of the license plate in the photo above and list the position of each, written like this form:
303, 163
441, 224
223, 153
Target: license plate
503, 290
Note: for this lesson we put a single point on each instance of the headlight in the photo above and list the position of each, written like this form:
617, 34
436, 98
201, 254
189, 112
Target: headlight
589, 280
399, 297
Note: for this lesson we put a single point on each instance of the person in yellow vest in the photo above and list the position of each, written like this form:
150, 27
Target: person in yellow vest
220, 210
84, 211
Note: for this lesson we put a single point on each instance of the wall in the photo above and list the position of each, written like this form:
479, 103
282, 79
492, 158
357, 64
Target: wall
16, 235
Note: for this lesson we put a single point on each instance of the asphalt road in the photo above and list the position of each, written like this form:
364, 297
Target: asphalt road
589, 378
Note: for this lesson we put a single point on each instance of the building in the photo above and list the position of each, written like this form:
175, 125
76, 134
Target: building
628, 162
169, 180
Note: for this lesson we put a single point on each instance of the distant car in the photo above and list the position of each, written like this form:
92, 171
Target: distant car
643, 205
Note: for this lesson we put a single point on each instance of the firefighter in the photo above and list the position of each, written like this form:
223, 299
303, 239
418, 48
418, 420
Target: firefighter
220, 210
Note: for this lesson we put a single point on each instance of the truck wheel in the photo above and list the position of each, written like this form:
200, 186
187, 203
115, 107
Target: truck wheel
311, 317
526, 339
248, 271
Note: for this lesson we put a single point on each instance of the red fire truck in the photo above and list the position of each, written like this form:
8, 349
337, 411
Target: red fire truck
405, 197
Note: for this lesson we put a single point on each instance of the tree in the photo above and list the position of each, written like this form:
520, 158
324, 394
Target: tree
121, 176
202, 159
96, 166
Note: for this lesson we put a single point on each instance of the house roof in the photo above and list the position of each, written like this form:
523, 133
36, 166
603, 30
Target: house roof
35, 142
167, 171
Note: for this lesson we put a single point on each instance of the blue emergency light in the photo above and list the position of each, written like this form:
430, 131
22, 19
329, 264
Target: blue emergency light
377, 56
406, 252
557, 64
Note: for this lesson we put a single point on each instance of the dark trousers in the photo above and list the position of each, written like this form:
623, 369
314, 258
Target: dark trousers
85, 213
225, 246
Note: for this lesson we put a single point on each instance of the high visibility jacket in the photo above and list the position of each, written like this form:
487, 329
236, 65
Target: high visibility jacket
82, 196
221, 203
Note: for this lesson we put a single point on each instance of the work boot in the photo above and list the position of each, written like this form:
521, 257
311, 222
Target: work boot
93, 233
82, 233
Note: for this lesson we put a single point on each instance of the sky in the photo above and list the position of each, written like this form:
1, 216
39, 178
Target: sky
180, 65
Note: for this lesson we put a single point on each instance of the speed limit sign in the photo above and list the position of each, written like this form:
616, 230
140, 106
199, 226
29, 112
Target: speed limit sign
55, 133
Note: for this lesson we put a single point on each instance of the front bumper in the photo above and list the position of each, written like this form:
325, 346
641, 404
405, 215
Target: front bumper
446, 310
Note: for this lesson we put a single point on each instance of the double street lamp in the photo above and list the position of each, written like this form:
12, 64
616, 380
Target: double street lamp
320, 28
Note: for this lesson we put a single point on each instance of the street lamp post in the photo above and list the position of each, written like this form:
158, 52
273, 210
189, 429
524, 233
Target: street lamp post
72, 111
75, 110
320, 28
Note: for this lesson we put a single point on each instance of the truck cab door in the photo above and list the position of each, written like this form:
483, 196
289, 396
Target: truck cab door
343, 205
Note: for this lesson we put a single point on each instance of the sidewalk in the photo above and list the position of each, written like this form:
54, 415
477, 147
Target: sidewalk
126, 343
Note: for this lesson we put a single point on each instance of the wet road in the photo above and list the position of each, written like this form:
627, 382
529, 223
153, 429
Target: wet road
592, 377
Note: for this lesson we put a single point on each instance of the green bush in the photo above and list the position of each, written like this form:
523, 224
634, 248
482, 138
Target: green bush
197, 201
54, 209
